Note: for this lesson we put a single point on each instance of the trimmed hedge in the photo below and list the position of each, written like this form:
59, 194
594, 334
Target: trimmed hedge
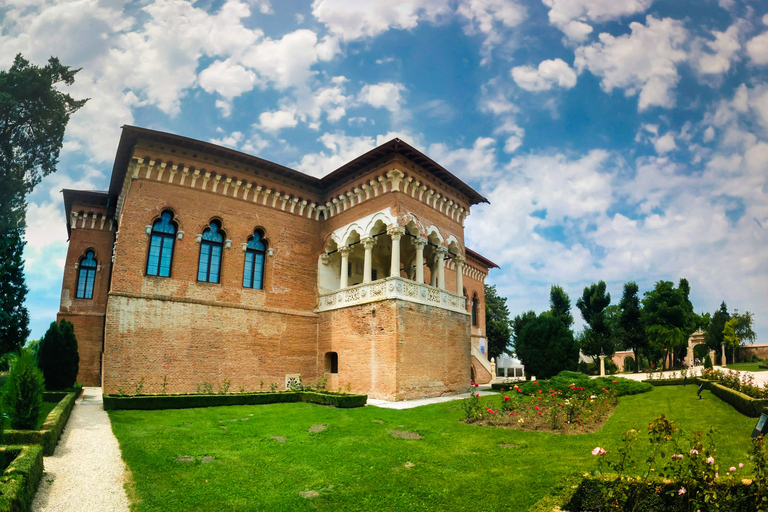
745, 404
21, 476
563, 379
656, 495
673, 382
156, 402
752, 407
51, 430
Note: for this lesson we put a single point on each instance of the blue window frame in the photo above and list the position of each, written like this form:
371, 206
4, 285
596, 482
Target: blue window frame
86, 275
211, 247
161, 246
253, 273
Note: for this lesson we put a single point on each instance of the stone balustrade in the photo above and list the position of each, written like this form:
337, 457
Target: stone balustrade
392, 288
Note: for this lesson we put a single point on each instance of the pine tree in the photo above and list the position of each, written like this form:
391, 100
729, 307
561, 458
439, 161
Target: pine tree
14, 318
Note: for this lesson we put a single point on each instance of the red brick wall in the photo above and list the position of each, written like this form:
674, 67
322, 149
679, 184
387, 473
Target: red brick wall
433, 351
87, 315
193, 343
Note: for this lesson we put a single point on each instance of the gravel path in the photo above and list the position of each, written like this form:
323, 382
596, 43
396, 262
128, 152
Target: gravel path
86, 473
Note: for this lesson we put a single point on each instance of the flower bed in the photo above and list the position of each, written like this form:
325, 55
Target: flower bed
743, 383
156, 402
569, 408
674, 476
22, 474
51, 429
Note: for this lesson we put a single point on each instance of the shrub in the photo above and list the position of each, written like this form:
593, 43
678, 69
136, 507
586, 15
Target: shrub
708, 362
22, 393
57, 356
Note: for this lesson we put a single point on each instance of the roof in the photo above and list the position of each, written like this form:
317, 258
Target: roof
131, 135
85, 198
482, 259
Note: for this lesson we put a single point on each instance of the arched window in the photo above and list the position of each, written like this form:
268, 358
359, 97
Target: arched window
86, 275
474, 309
210, 253
253, 273
161, 246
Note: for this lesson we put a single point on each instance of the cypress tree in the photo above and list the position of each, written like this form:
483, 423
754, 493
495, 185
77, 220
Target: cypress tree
57, 356
14, 318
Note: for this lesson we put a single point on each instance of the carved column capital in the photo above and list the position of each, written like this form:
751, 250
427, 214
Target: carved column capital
396, 232
368, 242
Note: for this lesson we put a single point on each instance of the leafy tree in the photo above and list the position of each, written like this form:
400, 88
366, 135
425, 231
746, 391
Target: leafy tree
22, 394
668, 317
737, 330
14, 318
714, 331
33, 116
519, 322
57, 356
497, 325
560, 305
597, 339
631, 329
546, 346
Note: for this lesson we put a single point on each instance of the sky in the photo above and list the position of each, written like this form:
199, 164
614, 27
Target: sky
616, 140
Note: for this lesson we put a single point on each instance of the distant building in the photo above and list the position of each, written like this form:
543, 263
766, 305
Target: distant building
202, 264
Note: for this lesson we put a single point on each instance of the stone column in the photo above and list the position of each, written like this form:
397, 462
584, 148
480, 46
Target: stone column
419, 244
395, 234
368, 244
344, 251
459, 260
602, 366
441, 251
433, 270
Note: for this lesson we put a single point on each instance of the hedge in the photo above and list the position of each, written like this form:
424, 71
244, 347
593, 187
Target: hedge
745, 404
562, 380
156, 402
21, 476
51, 430
655, 495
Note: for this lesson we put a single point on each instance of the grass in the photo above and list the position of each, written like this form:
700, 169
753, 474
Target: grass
746, 367
45, 410
357, 465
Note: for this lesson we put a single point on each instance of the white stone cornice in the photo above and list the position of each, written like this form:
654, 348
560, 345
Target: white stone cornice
246, 189
293, 203
216, 181
367, 189
227, 183
206, 177
266, 195
184, 174
275, 197
195, 176
301, 207
172, 173
237, 187
395, 177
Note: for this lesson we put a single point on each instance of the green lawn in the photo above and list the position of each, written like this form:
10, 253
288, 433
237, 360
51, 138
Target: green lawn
356, 465
746, 367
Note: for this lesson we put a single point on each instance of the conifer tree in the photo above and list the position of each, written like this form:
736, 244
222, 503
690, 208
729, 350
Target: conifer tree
57, 356
14, 318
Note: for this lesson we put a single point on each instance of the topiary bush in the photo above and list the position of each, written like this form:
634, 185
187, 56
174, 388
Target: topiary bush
57, 356
22, 394
708, 362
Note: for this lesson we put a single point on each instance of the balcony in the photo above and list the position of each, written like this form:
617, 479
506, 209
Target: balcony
392, 288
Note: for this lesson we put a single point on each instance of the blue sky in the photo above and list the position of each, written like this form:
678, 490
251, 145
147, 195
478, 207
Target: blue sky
616, 139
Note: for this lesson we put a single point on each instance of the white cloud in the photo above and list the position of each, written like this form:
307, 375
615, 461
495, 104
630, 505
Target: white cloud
665, 143
757, 48
386, 95
470, 164
343, 148
571, 16
495, 100
643, 62
492, 18
723, 50
227, 79
550, 73
276, 121
357, 19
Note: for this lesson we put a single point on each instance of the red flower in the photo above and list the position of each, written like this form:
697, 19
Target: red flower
506, 398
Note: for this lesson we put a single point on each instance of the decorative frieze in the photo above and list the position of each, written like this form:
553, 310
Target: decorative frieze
392, 288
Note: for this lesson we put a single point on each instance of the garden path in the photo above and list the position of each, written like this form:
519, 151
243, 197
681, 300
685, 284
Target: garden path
86, 472
410, 404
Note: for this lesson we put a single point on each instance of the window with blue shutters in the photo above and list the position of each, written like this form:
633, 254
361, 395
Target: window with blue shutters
211, 245
161, 242
253, 274
86, 275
